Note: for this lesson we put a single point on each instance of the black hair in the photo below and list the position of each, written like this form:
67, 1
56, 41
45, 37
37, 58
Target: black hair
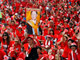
71, 40
22, 22
8, 38
12, 21
39, 48
73, 46
52, 31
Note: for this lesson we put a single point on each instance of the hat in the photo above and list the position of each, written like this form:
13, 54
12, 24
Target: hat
30, 36
48, 36
19, 27
5, 34
66, 20
16, 13
58, 17
73, 44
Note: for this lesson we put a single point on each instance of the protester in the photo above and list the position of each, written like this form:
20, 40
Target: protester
55, 37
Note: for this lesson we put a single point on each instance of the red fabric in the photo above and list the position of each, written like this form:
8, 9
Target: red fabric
13, 27
63, 44
66, 51
75, 56
44, 52
41, 38
20, 35
37, 42
51, 43
22, 55
17, 48
45, 32
40, 56
1, 38
5, 43
26, 47
2, 53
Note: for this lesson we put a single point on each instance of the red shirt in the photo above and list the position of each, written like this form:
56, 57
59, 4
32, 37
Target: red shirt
45, 32
66, 51
2, 53
20, 35
22, 55
75, 56
27, 48
13, 27
17, 48
47, 43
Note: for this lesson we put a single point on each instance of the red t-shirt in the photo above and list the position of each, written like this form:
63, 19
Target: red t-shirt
66, 51
13, 27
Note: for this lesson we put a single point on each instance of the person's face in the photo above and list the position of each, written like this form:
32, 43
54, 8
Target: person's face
30, 41
65, 22
44, 15
58, 27
46, 27
16, 42
22, 24
34, 15
38, 50
12, 23
20, 29
58, 20
62, 29
73, 48
5, 37
64, 38
51, 23
48, 38
51, 32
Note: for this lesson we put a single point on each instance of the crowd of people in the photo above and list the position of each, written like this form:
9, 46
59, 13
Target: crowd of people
59, 25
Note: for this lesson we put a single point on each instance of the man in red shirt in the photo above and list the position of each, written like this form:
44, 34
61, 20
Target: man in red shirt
48, 42
67, 49
73, 54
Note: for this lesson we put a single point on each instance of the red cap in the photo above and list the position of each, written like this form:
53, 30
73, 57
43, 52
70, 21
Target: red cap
66, 20
30, 36
65, 30
73, 44
49, 36
20, 27
58, 16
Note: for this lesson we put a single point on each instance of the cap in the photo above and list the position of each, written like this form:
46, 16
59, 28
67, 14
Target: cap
48, 36
66, 20
16, 13
19, 27
30, 36
73, 44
